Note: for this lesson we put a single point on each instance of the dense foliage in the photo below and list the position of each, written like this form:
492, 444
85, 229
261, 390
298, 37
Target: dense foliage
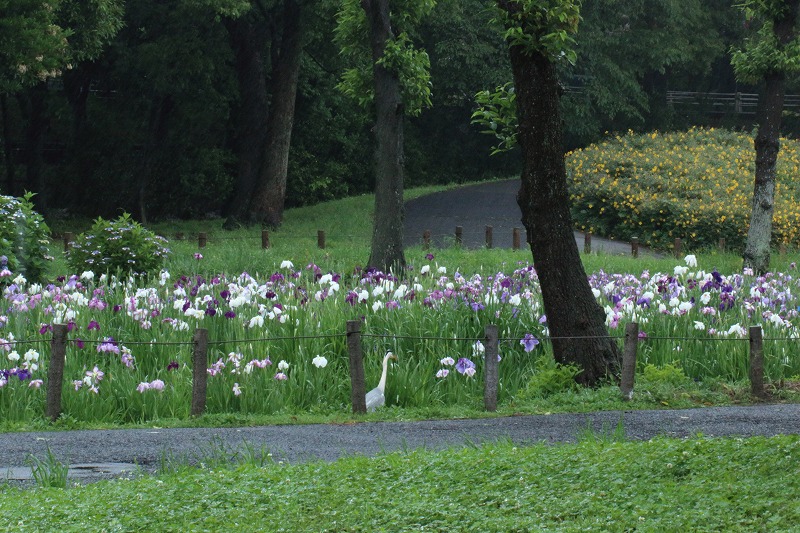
696, 185
152, 102
120, 246
24, 238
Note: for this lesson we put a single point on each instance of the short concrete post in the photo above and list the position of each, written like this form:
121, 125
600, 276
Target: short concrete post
515, 239
321, 239
202, 239
629, 360
490, 373
635, 247
756, 362
199, 371
358, 389
587, 243
55, 371
489, 236
264, 239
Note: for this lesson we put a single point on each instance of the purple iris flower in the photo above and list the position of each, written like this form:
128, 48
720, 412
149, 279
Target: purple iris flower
463, 364
93, 325
230, 314
529, 342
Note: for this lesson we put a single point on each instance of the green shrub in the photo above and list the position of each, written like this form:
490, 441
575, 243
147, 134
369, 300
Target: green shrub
550, 378
24, 238
696, 185
122, 245
668, 374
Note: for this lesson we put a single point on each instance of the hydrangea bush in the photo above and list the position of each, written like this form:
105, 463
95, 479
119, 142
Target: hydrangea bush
24, 239
121, 245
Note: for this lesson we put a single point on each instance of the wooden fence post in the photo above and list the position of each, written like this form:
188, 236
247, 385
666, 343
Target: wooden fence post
199, 371
490, 373
426, 239
635, 247
179, 236
358, 389
68, 239
782, 249
515, 239
321, 239
489, 236
756, 362
587, 243
629, 360
459, 235
55, 371
722, 244
202, 239
264, 239
678, 248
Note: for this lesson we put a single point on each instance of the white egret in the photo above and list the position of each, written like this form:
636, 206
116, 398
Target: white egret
375, 397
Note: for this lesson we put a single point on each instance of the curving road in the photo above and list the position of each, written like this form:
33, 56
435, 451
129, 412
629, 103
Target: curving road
473, 207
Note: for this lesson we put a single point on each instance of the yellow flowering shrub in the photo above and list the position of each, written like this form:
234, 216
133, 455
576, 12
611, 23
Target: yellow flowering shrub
696, 185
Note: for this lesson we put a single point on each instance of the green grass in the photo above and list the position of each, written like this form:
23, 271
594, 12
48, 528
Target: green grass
601, 483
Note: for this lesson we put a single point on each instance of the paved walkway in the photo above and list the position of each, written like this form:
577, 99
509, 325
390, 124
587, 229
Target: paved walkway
474, 207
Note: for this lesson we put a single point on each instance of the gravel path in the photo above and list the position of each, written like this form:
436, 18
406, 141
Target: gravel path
99, 454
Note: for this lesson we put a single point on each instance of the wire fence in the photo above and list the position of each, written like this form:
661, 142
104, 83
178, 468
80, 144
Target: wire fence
353, 336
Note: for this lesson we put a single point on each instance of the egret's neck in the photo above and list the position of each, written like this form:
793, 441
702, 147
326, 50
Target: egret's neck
382, 383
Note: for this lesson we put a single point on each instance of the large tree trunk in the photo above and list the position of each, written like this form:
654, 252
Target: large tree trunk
8, 153
251, 125
575, 319
32, 102
767, 144
269, 195
387, 234
160, 111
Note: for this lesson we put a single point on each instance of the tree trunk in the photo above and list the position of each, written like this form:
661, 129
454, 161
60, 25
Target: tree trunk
767, 145
575, 319
269, 195
387, 233
251, 125
32, 101
8, 152
160, 111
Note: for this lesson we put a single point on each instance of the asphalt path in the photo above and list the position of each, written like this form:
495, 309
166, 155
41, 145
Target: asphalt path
99, 454
474, 207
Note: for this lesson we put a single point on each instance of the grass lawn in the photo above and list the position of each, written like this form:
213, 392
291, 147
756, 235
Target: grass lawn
598, 484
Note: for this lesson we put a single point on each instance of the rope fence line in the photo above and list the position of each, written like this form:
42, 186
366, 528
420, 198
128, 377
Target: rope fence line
11, 344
